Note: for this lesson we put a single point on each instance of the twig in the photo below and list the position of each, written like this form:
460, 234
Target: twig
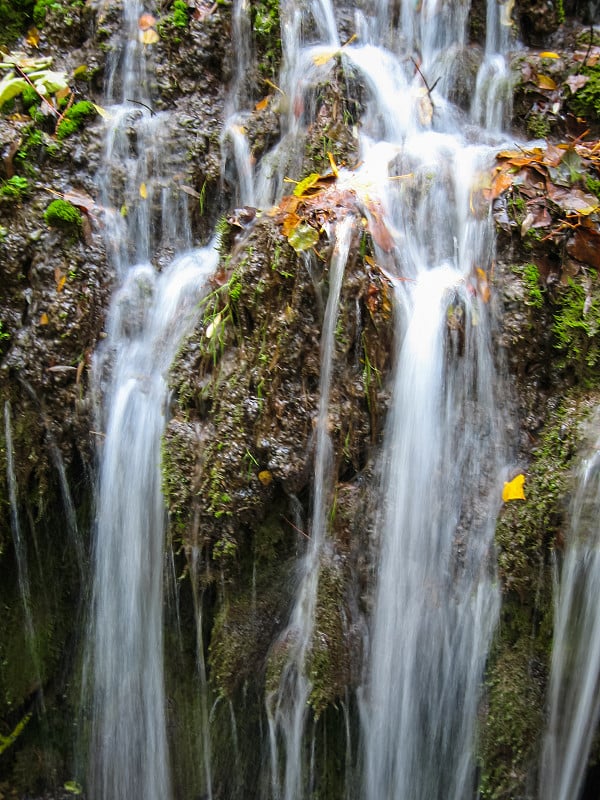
294, 527
139, 103
35, 89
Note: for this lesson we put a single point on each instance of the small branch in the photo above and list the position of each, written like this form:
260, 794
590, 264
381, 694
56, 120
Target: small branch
35, 89
139, 103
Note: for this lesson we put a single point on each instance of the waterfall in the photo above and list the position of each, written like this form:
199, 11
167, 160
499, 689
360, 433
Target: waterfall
574, 699
287, 707
443, 453
149, 315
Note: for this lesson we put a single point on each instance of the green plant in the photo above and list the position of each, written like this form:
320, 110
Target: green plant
74, 117
64, 215
577, 326
180, 14
531, 279
15, 16
586, 101
4, 335
15, 188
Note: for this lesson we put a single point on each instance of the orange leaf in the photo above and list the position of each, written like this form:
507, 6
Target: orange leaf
501, 182
146, 21
290, 221
513, 490
262, 104
44, 318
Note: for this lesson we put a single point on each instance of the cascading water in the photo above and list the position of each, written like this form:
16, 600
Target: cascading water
287, 706
149, 316
574, 699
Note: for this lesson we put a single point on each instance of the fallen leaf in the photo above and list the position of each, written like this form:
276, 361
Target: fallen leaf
513, 490
546, 82
143, 191
149, 36
265, 477
303, 237
303, 186
262, 104
213, 326
81, 200
576, 82
549, 54
484, 286
102, 112
44, 318
322, 58
290, 221
501, 182
33, 37
146, 21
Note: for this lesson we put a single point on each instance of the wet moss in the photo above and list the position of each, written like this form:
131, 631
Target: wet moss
527, 535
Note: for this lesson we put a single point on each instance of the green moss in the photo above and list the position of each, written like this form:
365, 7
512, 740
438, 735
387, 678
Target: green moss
328, 662
42, 7
538, 126
15, 17
266, 27
74, 118
180, 14
586, 101
14, 189
531, 279
592, 185
527, 533
576, 327
64, 215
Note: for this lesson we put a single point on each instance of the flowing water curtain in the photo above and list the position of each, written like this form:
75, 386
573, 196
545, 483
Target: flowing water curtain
149, 315
287, 704
574, 698
436, 599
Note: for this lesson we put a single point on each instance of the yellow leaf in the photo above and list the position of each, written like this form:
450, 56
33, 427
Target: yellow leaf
513, 490
548, 54
143, 191
546, 82
334, 168
307, 183
123, 210
44, 318
262, 104
146, 21
323, 58
265, 477
61, 283
33, 37
101, 111
149, 36
80, 71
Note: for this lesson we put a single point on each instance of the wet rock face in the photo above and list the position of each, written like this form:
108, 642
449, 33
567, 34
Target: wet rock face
248, 391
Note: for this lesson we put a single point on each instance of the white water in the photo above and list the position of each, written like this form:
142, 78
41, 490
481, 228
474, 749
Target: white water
287, 707
149, 315
574, 694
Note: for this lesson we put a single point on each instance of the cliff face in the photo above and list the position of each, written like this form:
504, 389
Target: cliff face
238, 452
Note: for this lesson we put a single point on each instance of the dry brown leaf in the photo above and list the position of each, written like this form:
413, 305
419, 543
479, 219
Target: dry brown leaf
576, 82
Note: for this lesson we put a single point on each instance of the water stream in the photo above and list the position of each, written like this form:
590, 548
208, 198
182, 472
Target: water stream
287, 707
574, 696
149, 315
443, 453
